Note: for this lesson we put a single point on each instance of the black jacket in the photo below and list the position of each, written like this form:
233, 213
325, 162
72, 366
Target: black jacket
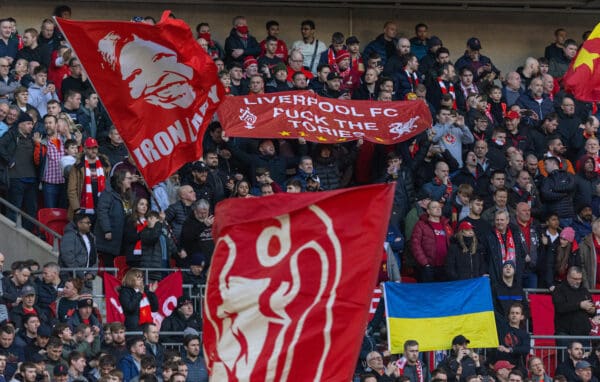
569, 318
110, 217
176, 322
557, 193
494, 255
234, 41
462, 266
130, 302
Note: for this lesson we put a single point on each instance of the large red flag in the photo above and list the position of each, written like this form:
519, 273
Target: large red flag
159, 87
323, 120
291, 283
582, 78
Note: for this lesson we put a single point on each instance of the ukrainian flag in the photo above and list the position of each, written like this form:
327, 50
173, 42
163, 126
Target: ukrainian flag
434, 313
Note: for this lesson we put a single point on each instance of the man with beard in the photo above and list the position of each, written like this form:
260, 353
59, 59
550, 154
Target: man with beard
333, 87
582, 223
196, 236
567, 368
556, 149
538, 136
444, 84
557, 191
117, 347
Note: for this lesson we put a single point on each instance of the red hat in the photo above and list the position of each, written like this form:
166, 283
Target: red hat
512, 115
465, 225
341, 55
91, 142
249, 60
503, 365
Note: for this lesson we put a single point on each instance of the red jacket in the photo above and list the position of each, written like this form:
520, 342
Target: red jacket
422, 242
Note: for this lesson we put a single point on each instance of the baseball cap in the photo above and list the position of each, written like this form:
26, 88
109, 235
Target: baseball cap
465, 225
333, 76
512, 115
582, 365
85, 303
27, 290
474, 44
91, 142
61, 370
199, 166
503, 365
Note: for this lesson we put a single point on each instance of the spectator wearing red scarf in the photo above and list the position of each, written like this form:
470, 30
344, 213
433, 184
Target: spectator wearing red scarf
138, 301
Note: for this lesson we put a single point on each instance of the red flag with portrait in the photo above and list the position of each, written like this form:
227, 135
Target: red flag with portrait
582, 78
291, 282
159, 87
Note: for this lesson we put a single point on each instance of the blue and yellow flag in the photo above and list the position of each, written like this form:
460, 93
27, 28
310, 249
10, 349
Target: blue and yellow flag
434, 313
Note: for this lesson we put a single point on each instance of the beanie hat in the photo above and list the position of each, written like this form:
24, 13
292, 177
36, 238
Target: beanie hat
341, 55
568, 234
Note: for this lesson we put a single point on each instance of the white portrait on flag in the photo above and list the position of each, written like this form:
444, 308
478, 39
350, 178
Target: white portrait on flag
151, 70
263, 317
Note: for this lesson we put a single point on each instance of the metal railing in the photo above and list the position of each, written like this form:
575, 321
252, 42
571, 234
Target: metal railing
19, 215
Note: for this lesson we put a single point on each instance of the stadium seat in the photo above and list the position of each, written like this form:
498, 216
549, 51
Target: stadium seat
55, 219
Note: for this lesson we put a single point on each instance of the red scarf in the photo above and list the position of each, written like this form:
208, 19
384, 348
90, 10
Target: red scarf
402, 362
145, 311
446, 90
331, 61
88, 197
448, 191
139, 226
507, 249
413, 79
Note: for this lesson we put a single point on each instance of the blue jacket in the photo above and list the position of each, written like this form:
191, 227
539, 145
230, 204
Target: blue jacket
466, 62
581, 228
128, 367
110, 218
526, 101
382, 47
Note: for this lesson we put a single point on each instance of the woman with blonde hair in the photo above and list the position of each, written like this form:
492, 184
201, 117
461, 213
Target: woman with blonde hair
466, 256
137, 300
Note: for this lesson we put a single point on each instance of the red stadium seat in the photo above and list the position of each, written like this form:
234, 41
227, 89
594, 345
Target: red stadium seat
55, 219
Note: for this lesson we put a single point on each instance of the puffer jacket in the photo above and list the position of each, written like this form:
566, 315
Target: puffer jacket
461, 265
423, 244
557, 193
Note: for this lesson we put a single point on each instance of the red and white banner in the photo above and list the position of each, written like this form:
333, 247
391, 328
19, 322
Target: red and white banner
168, 291
159, 86
305, 115
290, 284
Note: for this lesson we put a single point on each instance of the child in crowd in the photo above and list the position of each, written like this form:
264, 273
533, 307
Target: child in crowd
70, 157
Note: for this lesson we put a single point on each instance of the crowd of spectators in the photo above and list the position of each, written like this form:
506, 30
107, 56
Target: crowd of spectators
504, 184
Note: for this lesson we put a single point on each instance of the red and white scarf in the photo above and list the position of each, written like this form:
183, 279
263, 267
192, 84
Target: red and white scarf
139, 226
331, 61
413, 78
446, 90
145, 310
88, 197
402, 362
507, 249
